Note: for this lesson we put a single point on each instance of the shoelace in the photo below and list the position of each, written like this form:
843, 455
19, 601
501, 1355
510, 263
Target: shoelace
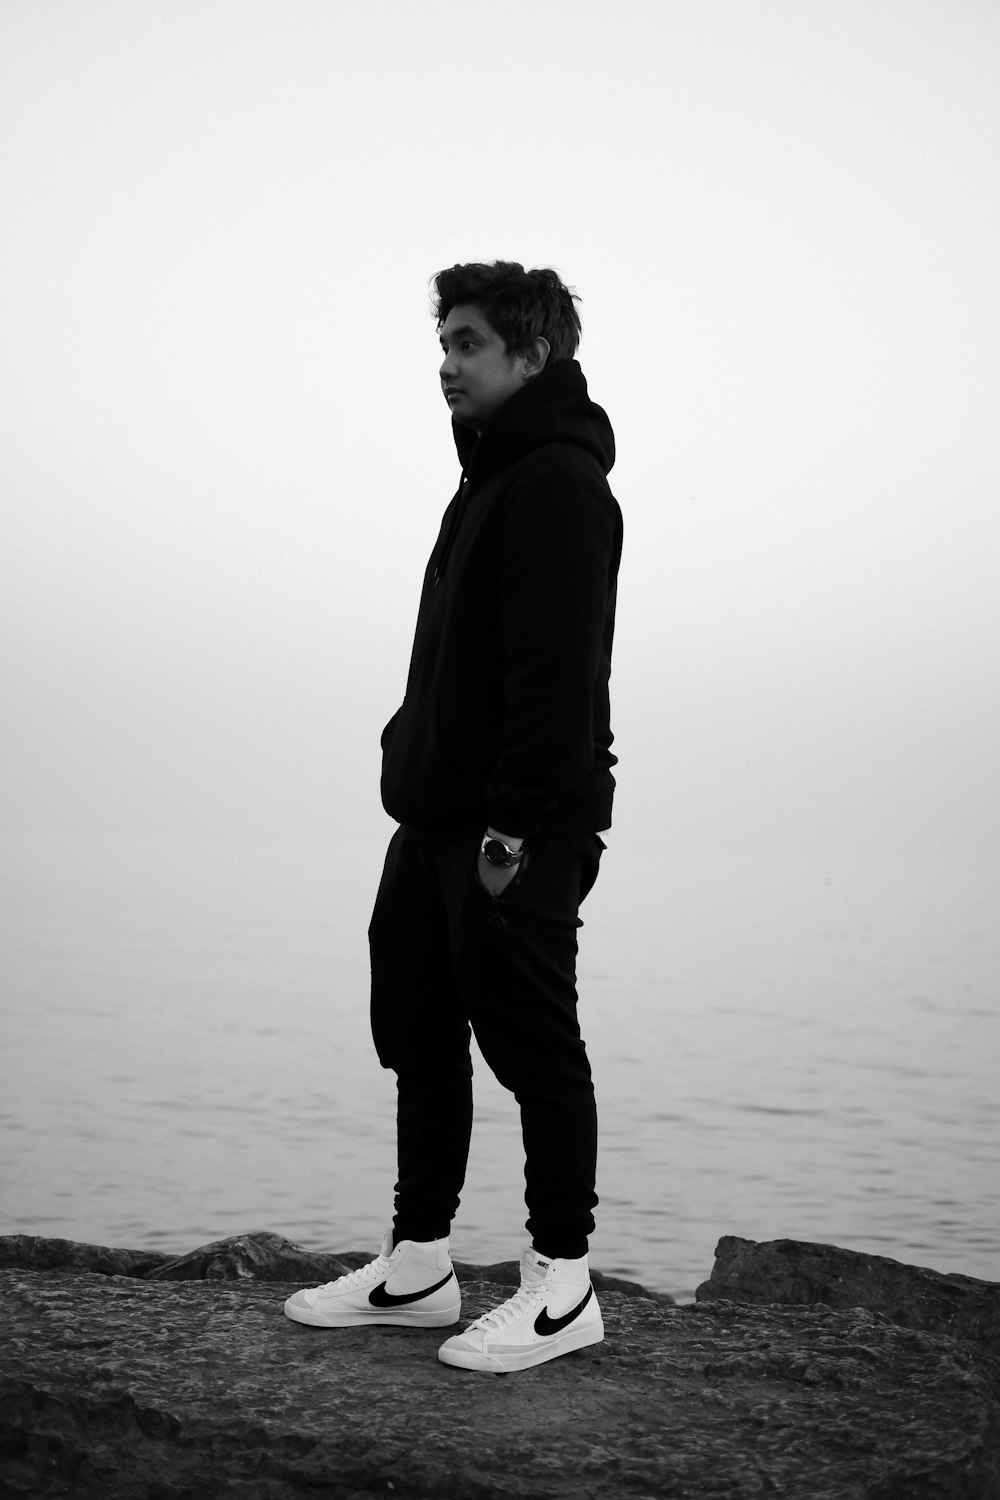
374, 1269
525, 1301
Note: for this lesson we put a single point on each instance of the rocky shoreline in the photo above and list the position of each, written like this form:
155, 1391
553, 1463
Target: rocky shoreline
802, 1371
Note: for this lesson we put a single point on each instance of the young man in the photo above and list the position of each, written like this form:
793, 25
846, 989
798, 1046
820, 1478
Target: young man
497, 768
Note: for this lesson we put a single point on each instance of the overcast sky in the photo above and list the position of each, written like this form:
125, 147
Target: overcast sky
225, 453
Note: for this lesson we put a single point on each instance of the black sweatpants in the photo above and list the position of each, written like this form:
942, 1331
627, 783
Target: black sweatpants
446, 956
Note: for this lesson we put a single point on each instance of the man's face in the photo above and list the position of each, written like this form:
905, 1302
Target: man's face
477, 373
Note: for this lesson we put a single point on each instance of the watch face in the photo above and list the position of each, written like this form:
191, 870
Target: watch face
495, 852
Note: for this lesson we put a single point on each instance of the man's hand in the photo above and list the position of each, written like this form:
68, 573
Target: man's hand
494, 878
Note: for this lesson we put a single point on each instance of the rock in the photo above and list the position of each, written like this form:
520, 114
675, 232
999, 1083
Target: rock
32, 1252
789, 1271
118, 1387
260, 1255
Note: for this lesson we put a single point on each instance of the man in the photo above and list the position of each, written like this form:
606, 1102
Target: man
497, 768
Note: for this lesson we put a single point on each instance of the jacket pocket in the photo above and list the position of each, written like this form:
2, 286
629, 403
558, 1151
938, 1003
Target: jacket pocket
422, 782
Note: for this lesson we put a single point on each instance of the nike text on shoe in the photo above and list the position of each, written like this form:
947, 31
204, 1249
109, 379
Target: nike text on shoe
554, 1313
413, 1286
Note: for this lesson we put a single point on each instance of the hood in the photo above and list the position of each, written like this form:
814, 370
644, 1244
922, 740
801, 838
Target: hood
554, 407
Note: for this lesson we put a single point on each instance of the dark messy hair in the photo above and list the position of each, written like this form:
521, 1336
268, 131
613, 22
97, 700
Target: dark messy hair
521, 305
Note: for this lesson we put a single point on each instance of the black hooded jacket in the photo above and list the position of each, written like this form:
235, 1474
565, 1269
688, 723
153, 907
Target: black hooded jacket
506, 718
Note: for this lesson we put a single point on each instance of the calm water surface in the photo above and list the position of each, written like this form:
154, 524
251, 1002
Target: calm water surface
782, 1049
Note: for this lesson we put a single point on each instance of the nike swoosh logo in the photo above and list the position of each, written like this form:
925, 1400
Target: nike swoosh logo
546, 1325
379, 1297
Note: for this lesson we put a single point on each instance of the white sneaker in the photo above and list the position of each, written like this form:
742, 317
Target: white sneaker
411, 1286
554, 1312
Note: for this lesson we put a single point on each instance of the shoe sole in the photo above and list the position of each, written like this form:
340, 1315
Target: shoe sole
356, 1318
498, 1364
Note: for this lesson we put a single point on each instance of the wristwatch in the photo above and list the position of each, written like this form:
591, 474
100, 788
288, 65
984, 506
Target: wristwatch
500, 854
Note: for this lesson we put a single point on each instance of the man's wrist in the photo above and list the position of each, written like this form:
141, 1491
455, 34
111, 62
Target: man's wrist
512, 840
502, 851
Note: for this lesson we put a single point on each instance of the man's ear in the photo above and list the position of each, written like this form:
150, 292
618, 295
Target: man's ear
535, 356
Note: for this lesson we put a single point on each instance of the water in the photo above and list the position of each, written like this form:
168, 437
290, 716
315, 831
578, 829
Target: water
782, 1049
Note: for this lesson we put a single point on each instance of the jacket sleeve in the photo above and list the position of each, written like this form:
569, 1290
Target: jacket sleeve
561, 544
